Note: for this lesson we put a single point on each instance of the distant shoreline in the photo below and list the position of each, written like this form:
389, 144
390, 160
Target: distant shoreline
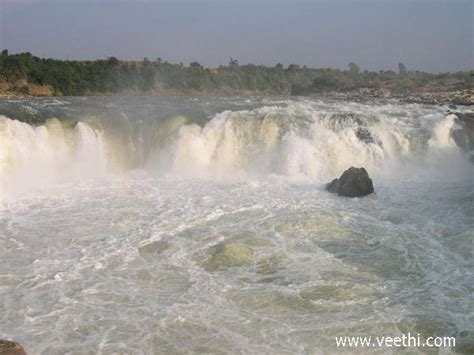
25, 75
457, 98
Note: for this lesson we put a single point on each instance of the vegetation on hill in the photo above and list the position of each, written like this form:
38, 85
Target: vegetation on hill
111, 76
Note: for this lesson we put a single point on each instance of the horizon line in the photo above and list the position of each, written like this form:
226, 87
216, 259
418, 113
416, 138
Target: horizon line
285, 67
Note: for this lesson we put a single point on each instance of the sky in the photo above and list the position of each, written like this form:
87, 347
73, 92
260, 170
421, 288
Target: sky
430, 35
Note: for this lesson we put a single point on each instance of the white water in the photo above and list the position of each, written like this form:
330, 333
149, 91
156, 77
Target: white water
31, 157
298, 140
223, 239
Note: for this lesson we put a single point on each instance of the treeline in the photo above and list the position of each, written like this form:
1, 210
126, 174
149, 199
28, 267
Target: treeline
111, 76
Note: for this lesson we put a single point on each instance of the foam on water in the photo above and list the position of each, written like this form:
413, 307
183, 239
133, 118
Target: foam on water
223, 239
31, 157
310, 140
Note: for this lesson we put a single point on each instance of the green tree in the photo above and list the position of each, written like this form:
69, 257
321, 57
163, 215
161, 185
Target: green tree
195, 65
113, 61
233, 63
354, 69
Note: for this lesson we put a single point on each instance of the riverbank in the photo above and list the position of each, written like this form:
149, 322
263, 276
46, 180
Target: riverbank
439, 90
458, 97
24, 75
432, 96
25, 90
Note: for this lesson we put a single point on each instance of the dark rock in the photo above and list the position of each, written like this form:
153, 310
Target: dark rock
8, 347
359, 123
333, 186
464, 135
465, 117
453, 107
462, 101
343, 119
364, 135
354, 182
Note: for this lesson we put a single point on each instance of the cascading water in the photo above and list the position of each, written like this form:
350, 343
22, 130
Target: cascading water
298, 140
47, 154
172, 225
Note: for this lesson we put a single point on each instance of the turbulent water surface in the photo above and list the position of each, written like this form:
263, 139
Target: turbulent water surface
174, 225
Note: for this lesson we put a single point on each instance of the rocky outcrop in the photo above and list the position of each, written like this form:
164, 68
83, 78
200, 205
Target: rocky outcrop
354, 182
464, 136
22, 88
365, 136
8, 347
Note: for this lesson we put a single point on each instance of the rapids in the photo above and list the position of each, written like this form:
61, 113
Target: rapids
174, 225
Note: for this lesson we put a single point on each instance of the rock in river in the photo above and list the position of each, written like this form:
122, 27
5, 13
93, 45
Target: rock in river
8, 347
464, 135
354, 182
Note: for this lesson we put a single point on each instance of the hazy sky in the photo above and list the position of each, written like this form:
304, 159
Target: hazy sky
432, 35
